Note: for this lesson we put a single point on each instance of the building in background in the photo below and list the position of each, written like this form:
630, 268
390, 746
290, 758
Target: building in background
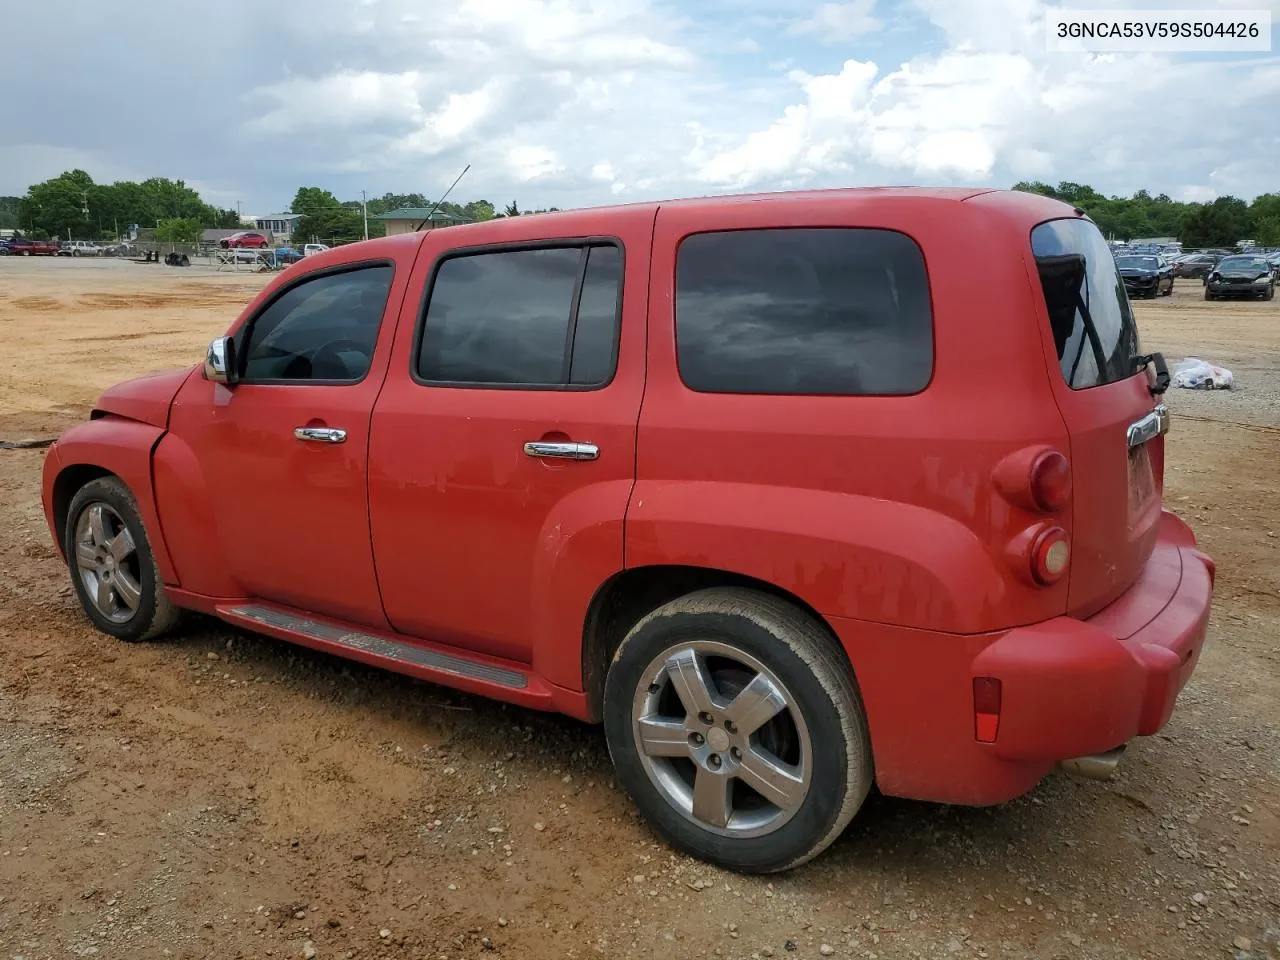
277, 226
406, 219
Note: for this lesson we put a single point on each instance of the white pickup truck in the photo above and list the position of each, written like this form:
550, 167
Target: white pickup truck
78, 248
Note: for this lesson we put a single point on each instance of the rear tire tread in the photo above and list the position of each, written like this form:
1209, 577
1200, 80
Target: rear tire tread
809, 641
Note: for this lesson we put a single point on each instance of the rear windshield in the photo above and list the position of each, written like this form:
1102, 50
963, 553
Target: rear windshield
1093, 328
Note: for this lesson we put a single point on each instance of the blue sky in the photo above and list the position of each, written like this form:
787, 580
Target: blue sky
582, 102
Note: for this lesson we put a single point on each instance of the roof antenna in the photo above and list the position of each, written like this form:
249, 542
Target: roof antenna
441, 200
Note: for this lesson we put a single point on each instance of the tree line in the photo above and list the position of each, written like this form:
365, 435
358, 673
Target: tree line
72, 206
1220, 223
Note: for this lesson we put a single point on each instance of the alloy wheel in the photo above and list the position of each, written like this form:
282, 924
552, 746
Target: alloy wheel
722, 739
107, 562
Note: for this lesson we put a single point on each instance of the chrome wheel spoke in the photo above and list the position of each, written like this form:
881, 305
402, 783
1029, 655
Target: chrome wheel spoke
756, 705
772, 779
689, 678
663, 738
98, 525
711, 798
127, 591
86, 556
102, 596
121, 546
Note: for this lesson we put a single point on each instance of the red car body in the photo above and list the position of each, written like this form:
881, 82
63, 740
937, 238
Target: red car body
24, 247
910, 525
248, 241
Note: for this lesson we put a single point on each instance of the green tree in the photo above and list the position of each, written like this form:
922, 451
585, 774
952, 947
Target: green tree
330, 223
511, 210
179, 230
9, 207
313, 200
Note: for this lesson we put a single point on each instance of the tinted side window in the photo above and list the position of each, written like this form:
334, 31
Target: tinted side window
1093, 328
596, 329
803, 311
541, 317
320, 329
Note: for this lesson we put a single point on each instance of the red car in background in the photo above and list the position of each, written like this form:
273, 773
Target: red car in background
250, 241
24, 247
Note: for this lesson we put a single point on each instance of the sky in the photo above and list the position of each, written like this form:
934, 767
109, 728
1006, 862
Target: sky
575, 103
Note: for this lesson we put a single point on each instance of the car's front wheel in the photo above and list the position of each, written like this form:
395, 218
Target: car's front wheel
112, 566
735, 724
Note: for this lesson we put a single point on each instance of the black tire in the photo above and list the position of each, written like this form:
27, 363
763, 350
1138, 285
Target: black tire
155, 614
818, 682
1271, 292
1208, 295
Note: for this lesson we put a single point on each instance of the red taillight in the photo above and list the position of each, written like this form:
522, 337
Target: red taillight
986, 708
1051, 481
1050, 555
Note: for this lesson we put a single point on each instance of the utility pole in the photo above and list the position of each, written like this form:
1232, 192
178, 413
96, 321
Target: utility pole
364, 202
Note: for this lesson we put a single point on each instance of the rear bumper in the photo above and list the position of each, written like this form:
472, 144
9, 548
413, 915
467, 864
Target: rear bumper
1069, 688
1073, 687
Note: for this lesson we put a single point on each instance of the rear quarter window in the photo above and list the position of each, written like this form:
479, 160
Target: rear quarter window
1094, 332
826, 311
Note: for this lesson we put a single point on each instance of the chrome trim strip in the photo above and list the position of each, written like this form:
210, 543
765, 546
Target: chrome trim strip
383, 647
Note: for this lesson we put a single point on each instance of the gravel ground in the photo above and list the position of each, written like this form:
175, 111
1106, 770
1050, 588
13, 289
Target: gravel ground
224, 795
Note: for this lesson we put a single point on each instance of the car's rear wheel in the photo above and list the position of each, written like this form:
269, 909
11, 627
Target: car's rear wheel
112, 566
735, 724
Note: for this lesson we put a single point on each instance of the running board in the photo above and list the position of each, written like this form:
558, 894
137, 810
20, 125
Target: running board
481, 675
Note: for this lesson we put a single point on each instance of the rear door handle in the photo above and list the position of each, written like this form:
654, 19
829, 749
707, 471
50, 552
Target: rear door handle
562, 451
1152, 425
320, 434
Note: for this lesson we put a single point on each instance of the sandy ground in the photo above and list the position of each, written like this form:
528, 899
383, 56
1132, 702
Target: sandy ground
224, 795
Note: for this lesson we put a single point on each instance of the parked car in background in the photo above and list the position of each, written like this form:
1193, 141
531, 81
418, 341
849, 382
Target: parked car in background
246, 239
1195, 266
25, 247
1145, 275
287, 255
1243, 275
79, 248
4, 246
311, 249
523, 458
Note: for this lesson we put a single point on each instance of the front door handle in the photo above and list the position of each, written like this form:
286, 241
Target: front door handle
320, 434
561, 451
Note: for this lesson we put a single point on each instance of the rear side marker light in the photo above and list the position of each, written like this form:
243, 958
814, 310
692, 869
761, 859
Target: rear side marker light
1050, 555
1050, 481
986, 708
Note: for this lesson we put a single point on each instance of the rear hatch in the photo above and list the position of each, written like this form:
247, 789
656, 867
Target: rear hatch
1117, 441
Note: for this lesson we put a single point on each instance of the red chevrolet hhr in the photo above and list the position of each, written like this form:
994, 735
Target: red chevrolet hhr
795, 493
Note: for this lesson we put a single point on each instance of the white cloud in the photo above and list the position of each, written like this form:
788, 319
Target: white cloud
838, 22
529, 162
576, 102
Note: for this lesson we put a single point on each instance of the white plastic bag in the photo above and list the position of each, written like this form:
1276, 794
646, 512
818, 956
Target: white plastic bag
1195, 374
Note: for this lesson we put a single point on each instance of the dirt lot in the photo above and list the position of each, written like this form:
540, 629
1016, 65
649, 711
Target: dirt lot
224, 795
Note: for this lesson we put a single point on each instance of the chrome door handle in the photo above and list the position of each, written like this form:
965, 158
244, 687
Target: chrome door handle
562, 451
320, 434
1152, 425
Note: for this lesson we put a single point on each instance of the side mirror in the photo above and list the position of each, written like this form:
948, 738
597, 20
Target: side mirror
220, 361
